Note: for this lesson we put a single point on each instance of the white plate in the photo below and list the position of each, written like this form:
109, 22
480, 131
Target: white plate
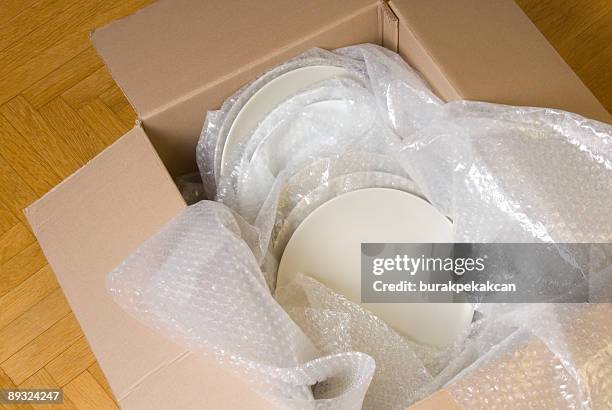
249, 91
331, 118
287, 222
272, 94
326, 246
323, 170
248, 178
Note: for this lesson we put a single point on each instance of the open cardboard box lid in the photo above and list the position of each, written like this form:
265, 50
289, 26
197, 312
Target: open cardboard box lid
175, 60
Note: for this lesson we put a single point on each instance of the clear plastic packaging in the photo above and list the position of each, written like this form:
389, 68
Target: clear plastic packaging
501, 173
515, 174
191, 188
333, 117
217, 123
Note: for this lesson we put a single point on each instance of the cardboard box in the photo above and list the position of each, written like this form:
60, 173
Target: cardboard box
175, 60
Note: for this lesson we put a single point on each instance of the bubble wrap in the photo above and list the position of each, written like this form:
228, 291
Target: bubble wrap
191, 188
333, 117
183, 291
217, 123
501, 173
552, 356
321, 170
337, 325
516, 174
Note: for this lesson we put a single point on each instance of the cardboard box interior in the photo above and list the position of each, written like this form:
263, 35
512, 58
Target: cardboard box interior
471, 49
177, 59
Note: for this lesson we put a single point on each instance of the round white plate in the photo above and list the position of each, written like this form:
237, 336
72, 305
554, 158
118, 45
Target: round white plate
272, 94
288, 222
333, 117
321, 171
244, 97
327, 247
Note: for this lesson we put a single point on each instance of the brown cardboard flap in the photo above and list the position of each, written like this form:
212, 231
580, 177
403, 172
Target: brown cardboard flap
193, 382
86, 226
489, 51
174, 131
167, 51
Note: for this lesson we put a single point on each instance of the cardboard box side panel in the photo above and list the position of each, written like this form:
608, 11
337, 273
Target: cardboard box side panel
491, 51
193, 382
175, 131
86, 226
413, 52
388, 23
201, 40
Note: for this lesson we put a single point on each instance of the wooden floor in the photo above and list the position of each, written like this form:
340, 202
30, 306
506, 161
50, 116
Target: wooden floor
59, 107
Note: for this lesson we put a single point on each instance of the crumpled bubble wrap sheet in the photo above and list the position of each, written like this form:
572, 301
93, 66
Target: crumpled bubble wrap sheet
217, 123
198, 282
553, 356
515, 174
501, 173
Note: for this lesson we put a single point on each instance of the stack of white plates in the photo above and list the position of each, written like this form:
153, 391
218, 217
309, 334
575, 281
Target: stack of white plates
318, 125
261, 97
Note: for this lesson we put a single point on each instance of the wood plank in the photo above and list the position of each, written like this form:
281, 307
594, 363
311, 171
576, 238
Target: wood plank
7, 219
31, 325
597, 78
14, 192
38, 132
39, 380
28, 20
82, 142
114, 99
560, 20
72, 362
23, 297
40, 351
88, 89
40, 65
22, 157
43, 380
127, 116
20, 267
103, 121
67, 16
64, 77
7, 383
581, 33
14, 241
97, 374
29, 62
11, 8
580, 50
86, 393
